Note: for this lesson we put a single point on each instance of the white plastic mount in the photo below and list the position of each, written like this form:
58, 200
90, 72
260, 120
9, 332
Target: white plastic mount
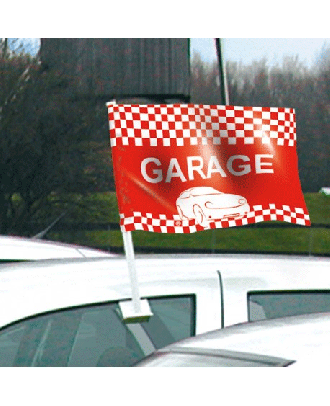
131, 315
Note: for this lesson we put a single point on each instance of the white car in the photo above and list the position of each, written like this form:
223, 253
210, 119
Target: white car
285, 342
67, 312
31, 249
205, 204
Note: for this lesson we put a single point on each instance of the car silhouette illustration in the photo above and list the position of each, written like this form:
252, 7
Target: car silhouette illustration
205, 204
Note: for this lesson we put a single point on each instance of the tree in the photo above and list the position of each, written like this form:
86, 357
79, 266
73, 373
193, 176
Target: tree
290, 85
204, 82
47, 141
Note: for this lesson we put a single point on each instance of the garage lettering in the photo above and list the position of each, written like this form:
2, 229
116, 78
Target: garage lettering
153, 171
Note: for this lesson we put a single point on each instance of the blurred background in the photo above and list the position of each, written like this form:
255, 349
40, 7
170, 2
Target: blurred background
56, 171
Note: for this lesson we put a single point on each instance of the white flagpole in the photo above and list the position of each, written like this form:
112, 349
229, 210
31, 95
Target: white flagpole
129, 251
136, 309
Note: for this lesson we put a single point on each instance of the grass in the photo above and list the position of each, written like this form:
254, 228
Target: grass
295, 240
318, 205
303, 240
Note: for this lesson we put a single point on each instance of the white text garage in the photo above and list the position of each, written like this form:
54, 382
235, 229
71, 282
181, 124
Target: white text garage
154, 171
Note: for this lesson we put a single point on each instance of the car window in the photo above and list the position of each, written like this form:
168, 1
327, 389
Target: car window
173, 320
272, 304
95, 335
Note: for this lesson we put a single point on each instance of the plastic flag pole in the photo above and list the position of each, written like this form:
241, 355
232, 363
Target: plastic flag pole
135, 310
129, 252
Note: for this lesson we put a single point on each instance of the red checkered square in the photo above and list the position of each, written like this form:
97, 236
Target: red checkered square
162, 224
182, 123
196, 126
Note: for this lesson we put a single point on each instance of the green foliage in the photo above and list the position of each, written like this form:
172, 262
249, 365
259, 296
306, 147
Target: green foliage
102, 208
290, 85
49, 143
318, 206
55, 154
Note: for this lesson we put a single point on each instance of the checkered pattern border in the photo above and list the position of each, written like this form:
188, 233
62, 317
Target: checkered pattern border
162, 224
179, 124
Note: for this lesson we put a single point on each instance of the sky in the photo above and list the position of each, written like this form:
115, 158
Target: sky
249, 49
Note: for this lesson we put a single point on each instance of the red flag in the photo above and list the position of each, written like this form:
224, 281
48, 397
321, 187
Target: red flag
184, 168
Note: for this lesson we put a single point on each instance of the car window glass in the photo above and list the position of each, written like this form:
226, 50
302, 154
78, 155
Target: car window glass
171, 321
95, 335
272, 304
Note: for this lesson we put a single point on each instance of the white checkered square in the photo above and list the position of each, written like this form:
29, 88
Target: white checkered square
196, 123
173, 224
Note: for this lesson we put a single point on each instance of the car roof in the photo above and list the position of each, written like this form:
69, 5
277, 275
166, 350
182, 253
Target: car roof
15, 248
292, 338
34, 287
247, 273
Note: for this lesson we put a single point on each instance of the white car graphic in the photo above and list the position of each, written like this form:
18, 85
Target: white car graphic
205, 204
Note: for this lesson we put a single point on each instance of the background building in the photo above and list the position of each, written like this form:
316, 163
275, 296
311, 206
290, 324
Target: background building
153, 68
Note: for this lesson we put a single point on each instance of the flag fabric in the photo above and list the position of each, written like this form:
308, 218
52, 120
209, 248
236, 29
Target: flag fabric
183, 168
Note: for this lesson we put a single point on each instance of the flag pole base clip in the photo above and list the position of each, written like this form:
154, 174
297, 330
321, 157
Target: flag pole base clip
131, 315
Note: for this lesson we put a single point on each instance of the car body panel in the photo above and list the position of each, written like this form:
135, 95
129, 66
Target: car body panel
36, 287
32, 288
242, 274
38, 298
31, 249
298, 340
